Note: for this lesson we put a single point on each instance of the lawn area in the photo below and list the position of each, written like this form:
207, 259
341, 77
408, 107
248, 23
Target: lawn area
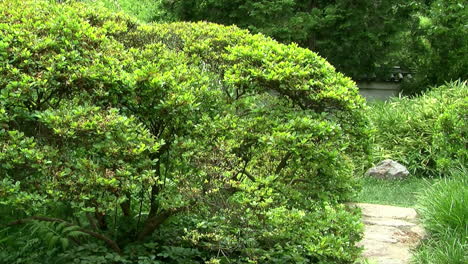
393, 192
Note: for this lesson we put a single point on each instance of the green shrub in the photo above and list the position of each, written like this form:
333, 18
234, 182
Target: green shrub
444, 215
451, 139
172, 143
428, 133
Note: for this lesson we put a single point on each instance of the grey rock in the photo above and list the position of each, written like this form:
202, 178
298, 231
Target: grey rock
388, 169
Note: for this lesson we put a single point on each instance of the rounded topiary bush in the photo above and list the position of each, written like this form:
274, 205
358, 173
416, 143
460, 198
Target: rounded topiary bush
172, 142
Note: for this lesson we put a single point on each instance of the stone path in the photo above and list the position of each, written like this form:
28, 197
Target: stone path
390, 233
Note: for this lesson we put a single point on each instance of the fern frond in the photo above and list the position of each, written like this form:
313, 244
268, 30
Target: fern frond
56, 234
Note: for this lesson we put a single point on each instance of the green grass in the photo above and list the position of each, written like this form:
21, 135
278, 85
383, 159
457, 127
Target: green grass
392, 192
448, 248
444, 212
445, 204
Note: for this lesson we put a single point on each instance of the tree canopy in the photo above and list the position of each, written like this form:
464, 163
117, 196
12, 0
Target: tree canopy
437, 44
355, 36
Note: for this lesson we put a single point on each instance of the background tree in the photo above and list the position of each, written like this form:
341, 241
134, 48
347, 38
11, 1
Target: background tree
437, 45
355, 36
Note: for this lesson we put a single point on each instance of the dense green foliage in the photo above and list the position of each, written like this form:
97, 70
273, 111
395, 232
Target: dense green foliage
355, 36
174, 143
360, 38
144, 10
428, 134
443, 209
437, 46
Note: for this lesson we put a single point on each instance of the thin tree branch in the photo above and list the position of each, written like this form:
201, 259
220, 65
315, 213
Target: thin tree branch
152, 223
92, 221
283, 162
126, 206
246, 173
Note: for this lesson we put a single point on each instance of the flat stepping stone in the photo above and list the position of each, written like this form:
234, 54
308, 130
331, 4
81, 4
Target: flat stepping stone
390, 233
387, 222
387, 211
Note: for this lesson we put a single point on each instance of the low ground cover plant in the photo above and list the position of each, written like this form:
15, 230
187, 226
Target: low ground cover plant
171, 143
